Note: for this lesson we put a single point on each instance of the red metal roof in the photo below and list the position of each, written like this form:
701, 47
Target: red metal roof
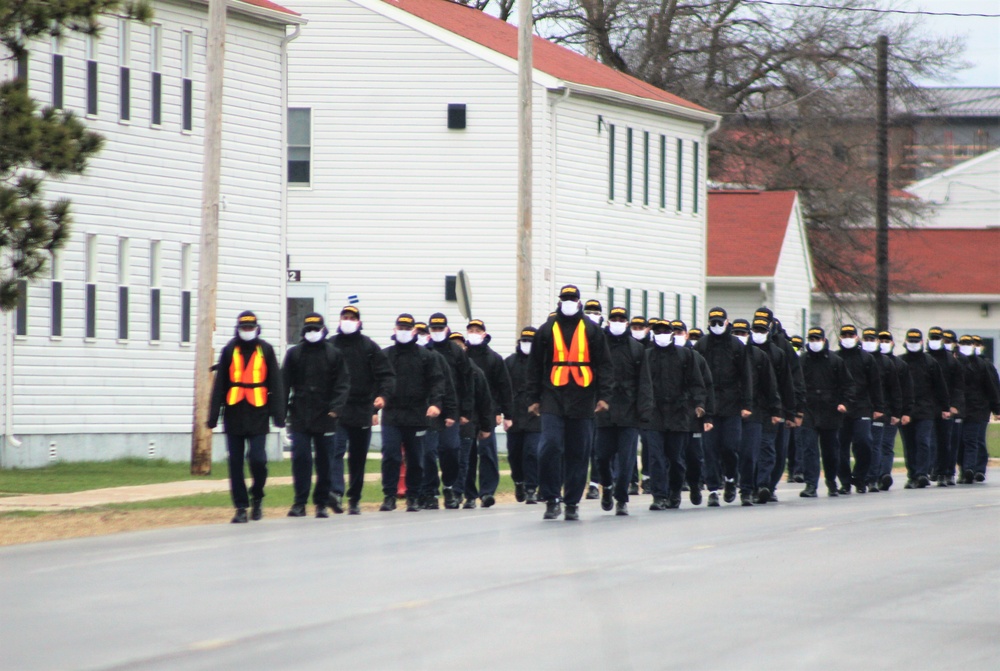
746, 230
548, 57
267, 4
922, 260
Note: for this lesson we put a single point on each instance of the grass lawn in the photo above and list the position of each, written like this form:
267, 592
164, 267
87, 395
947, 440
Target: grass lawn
992, 442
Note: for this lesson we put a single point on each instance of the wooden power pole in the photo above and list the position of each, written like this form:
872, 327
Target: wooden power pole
524, 156
208, 259
882, 186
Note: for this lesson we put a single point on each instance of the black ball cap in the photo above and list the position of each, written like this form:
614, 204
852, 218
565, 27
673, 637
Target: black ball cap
246, 318
313, 320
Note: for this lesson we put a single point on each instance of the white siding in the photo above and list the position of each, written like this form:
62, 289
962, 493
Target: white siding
793, 277
146, 185
965, 196
738, 302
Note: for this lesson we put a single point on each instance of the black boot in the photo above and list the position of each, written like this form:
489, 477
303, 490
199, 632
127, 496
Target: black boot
297, 510
552, 510
353, 508
606, 501
519, 493
411, 505
729, 493
256, 512
763, 495
337, 503
240, 517
389, 503
572, 513
809, 492
321, 512
531, 496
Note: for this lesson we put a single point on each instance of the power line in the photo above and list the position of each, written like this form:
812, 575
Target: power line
873, 10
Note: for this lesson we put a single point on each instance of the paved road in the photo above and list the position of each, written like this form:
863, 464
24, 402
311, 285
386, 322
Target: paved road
908, 579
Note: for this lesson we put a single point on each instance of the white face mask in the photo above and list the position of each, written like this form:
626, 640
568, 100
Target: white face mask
423, 340
950, 346
885, 347
848, 343
594, 317
759, 338
967, 350
980, 350
439, 336
717, 330
313, 336
474, 338
525, 348
663, 339
743, 339
349, 326
680, 340
913, 347
816, 345
247, 336
569, 308
869, 345
934, 345
404, 337
617, 328
639, 334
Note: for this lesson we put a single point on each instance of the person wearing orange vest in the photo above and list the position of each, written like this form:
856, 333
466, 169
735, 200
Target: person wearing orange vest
247, 391
570, 379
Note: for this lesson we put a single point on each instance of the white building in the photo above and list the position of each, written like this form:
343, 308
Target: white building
403, 165
98, 361
964, 196
758, 255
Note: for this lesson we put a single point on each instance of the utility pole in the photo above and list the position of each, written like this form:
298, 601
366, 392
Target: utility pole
208, 260
524, 155
882, 186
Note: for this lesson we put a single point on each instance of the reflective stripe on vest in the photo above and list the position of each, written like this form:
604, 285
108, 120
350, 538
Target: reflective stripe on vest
577, 360
248, 383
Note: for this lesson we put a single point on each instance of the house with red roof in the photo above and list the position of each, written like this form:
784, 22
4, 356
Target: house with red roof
97, 361
402, 166
758, 255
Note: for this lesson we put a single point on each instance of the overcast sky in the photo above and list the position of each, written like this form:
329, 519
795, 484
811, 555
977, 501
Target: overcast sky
982, 34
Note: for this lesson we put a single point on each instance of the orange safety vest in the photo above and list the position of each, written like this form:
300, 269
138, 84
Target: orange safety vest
577, 360
249, 382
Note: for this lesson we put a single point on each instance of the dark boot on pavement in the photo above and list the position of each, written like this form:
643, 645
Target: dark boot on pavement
353, 508
240, 517
337, 503
389, 503
256, 512
572, 513
322, 513
297, 510
552, 510
621, 509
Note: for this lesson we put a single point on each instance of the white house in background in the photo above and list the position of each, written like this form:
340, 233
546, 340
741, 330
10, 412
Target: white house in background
403, 171
964, 196
97, 361
758, 254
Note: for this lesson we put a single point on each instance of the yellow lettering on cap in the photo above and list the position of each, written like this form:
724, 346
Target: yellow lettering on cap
310, 320
248, 319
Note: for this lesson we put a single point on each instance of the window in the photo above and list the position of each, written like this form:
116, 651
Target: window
645, 174
186, 293
21, 316
154, 289
90, 327
124, 74
123, 282
663, 172
187, 90
156, 66
90, 53
57, 73
57, 294
645, 300
680, 174
299, 145
611, 162
628, 165
694, 201
21, 73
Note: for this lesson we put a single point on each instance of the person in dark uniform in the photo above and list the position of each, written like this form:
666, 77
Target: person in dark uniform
930, 402
639, 330
694, 455
868, 406
446, 421
893, 400
631, 406
887, 445
372, 380
979, 348
829, 393
595, 312
524, 430
316, 383
477, 341
794, 453
732, 380
679, 400
247, 391
416, 399
943, 456
694, 335
570, 380
482, 422
982, 396
449, 438
766, 410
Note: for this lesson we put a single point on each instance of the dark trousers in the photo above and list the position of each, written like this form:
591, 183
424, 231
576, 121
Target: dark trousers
354, 441
466, 454
856, 437
667, 468
917, 442
447, 450
722, 446
888, 450
875, 465
749, 452
942, 455
393, 438
303, 445
816, 442
595, 467
957, 430
781, 439
694, 460
563, 457
767, 456
522, 453
794, 444
483, 455
615, 451
974, 446
250, 448
431, 481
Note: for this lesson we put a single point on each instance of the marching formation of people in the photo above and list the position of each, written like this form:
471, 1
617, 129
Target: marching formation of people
726, 411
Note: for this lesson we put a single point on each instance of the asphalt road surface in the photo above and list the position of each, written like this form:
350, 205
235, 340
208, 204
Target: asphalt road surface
905, 579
